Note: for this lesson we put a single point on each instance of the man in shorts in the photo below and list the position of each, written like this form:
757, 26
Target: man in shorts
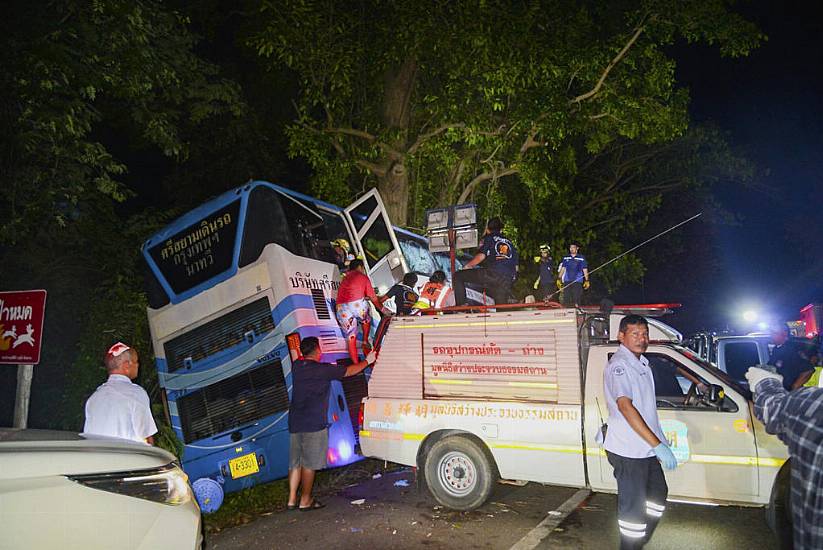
308, 419
353, 297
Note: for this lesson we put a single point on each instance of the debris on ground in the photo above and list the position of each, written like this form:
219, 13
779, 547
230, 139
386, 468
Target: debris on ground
401, 483
359, 501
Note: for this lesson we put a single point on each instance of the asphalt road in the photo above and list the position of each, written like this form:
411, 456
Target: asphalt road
396, 516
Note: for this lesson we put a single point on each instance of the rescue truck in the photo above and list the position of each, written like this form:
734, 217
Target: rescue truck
471, 398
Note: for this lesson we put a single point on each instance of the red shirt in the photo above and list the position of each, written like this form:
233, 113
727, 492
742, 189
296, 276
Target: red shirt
354, 286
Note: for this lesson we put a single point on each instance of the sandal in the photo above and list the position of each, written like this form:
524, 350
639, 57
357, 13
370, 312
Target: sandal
291, 506
315, 505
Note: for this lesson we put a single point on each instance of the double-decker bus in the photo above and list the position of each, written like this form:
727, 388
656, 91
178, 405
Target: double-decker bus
233, 285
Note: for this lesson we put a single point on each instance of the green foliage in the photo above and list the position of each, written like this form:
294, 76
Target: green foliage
70, 66
500, 103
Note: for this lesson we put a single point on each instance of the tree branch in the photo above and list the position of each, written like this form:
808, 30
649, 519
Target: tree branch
615, 60
480, 178
374, 168
421, 139
352, 132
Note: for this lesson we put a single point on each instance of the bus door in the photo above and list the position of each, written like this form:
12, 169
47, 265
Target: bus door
375, 241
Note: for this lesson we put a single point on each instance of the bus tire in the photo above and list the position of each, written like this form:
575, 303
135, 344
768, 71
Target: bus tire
459, 473
779, 510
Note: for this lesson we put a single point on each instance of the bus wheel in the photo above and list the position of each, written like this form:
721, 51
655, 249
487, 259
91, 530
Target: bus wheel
459, 473
779, 510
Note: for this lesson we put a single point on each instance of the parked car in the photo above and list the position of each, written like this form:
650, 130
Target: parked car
64, 490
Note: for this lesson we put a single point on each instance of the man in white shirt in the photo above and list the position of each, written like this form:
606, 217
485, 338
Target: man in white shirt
634, 442
119, 408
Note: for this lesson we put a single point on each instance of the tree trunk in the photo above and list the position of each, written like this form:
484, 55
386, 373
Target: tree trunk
394, 189
394, 185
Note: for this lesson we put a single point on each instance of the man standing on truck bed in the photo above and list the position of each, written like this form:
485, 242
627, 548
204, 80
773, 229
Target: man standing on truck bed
634, 442
499, 269
573, 273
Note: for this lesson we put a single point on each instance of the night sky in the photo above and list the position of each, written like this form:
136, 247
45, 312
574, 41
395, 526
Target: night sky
771, 105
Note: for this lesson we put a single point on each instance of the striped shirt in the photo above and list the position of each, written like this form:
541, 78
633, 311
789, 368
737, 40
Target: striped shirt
796, 417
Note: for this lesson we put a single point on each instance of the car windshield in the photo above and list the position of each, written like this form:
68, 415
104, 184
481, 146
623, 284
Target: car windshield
725, 378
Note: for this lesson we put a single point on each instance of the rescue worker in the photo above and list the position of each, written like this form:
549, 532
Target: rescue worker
634, 442
499, 269
435, 293
573, 273
796, 417
342, 253
792, 365
545, 268
353, 296
404, 295
308, 419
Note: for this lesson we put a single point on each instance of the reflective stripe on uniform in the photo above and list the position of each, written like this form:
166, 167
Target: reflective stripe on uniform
632, 530
655, 510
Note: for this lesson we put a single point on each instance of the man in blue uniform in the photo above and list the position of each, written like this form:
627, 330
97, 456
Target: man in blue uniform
308, 419
634, 442
573, 274
545, 268
789, 359
499, 269
796, 417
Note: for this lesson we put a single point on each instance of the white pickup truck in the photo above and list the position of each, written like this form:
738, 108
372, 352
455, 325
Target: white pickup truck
469, 398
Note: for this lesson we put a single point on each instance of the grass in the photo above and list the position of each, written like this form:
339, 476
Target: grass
247, 505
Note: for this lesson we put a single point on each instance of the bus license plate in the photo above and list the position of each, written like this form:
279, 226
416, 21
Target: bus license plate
243, 465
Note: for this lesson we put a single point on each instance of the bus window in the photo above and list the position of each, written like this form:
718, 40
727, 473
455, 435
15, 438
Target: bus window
376, 242
265, 223
417, 255
360, 214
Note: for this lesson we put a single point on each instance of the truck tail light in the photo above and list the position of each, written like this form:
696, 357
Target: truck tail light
293, 343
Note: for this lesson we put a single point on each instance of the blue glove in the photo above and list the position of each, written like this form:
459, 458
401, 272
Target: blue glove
666, 456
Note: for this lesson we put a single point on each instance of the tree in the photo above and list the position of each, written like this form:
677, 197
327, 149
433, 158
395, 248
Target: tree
438, 102
80, 75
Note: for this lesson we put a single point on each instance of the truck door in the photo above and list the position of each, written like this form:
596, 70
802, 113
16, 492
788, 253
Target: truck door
715, 445
375, 240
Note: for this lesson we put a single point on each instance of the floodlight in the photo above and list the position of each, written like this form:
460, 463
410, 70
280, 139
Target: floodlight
465, 214
439, 242
749, 316
465, 238
437, 218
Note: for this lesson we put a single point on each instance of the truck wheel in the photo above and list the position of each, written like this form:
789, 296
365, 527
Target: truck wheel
459, 473
779, 511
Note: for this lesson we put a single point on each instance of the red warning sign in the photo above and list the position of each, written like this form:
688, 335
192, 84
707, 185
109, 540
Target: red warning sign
21, 326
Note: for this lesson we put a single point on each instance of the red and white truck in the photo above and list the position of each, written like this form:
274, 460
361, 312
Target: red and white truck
470, 398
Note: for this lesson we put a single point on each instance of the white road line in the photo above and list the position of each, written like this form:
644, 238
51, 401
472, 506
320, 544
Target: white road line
555, 518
